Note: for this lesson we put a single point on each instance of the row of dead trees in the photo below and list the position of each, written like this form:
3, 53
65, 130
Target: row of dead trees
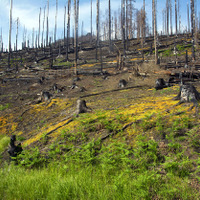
127, 26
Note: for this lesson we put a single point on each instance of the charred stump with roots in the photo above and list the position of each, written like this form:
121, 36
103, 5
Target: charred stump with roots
188, 93
14, 150
82, 107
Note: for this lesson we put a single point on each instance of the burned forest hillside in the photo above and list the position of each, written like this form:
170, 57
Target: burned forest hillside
110, 114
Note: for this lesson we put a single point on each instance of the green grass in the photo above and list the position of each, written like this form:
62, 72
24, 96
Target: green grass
4, 107
114, 176
4, 141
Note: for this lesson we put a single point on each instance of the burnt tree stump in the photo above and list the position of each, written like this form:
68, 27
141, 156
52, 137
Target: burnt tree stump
188, 93
81, 107
14, 150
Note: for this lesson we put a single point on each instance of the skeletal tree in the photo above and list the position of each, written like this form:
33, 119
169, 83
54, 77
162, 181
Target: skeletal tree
64, 26
97, 28
91, 23
155, 32
123, 25
10, 33
143, 16
109, 14
39, 29
47, 31
1, 47
171, 25
188, 17
33, 39
192, 26
68, 28
76, 10
17, 33
55, 31
43, 43
153, 18
167, 11
179, 15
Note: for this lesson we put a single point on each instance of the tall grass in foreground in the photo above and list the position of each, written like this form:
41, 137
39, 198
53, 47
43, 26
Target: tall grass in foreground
89, 182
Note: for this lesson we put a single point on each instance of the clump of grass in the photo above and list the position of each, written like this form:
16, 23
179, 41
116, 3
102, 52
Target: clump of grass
4, 141
4, 107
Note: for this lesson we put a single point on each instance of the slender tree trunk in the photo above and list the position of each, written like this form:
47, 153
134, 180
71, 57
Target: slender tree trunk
76, 10
144, 23
97, 29
91, 24
10, 33
167, 8
64, 26
123, 25
176, 25
33, 39
153, 18
109, 15
55, 31
47, 33
1, 48
16, 48
39, 29
155, 33
192, 27
68, 29
188, 17
171, 25
43, 43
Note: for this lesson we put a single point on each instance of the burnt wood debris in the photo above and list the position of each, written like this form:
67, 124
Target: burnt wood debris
14, 150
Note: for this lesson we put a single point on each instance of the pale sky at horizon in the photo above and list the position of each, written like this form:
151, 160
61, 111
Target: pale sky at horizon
28, 13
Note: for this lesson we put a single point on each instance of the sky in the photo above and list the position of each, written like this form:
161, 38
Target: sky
28, 13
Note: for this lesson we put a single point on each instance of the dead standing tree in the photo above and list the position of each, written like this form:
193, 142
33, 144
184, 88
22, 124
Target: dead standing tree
123, 26
47, 31
68, 29
39, 29
192, 27
55, 31
76, 14
97, 29
10, 33
155, 32
16, 47
109, 14
91, 24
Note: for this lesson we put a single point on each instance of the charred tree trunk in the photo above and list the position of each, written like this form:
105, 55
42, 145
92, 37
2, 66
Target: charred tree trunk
43, 43
155, 33
123, 26
10, 33
192, 27
153, 17
47, 31
188, 17
64, 27
68, 29
176, 25
91, 24
171, 25
167, 10
39, 29
76, 10
109, 15
97, 30
17, 34
55, 31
